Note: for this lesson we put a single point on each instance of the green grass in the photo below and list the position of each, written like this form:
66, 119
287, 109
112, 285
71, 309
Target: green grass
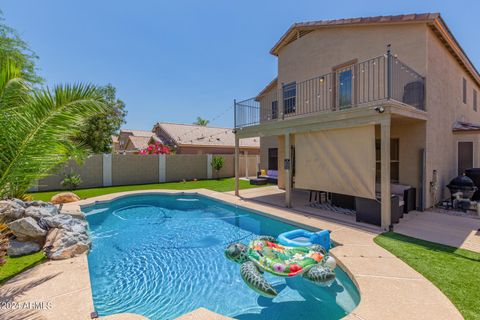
220, 185
14, 266
456, 272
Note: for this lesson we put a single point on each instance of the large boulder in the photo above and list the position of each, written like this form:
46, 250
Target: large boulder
26, 229
37, 203
64, 244
10, 210
20, 248
41, 212
64, 197
67, 222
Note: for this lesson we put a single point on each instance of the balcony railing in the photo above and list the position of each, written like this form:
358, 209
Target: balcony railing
370, 82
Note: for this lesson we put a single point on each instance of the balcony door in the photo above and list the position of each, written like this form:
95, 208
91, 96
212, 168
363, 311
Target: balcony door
345, 88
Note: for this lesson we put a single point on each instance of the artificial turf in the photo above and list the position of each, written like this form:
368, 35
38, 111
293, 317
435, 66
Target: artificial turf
14, 266
220, 185
456, 272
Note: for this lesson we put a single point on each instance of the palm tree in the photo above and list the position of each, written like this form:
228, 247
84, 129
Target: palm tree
37, 126
201, 122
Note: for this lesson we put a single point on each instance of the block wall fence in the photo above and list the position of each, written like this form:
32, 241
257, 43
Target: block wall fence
105, 170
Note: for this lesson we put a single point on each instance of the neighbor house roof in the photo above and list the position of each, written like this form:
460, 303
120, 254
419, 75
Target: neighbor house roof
138, 143
194, 135
433, 20
138, 133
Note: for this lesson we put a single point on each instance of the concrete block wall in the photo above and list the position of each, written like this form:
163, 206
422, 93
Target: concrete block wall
104, 170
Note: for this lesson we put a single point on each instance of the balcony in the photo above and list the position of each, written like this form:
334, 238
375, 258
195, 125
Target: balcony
372, 82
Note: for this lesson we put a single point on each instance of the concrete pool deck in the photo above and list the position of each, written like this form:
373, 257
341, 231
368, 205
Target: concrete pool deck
389, 288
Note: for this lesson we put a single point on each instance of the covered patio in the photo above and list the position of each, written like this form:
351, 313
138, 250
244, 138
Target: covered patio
350, 153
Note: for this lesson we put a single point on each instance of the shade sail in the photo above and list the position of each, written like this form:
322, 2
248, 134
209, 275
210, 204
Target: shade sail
339, 161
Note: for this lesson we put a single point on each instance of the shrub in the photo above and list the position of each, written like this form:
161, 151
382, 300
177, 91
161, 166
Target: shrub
217, 164
71, 181
157, 148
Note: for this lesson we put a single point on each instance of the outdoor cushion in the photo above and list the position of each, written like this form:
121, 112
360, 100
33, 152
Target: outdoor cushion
272, 173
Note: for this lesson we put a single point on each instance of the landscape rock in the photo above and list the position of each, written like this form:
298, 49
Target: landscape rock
20, 248
41, 212
10, 210
64, 197
63, 244
26, 228
19, 202
37, 203
67, 222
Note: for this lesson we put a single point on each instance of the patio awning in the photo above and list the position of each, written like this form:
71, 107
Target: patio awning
339, 160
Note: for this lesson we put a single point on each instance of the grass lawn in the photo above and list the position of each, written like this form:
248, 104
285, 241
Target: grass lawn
456, 272
220, 185
16, 265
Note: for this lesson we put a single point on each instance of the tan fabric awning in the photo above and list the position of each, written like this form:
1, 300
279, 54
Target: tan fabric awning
340, 161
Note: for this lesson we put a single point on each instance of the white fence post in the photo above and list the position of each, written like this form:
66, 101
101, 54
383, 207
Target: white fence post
209, 166
107, 169
162, 168
246, 163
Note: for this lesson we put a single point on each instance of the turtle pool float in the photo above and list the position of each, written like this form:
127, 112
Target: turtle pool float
265, 254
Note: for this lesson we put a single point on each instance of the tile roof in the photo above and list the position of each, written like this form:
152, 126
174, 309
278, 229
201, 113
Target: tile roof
138, 133
187, 134
138, 143
312, 25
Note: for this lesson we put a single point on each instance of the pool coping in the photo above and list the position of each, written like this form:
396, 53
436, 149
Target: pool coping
388, 287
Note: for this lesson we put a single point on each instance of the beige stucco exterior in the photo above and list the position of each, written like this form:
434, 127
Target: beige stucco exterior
319, 52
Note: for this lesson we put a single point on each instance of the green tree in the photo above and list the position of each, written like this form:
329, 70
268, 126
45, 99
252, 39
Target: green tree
201, 122
217, 164
97, 133
13, 47
36, 127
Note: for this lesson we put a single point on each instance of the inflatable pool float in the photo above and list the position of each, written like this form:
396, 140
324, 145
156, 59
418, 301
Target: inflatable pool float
266, 254
302, 238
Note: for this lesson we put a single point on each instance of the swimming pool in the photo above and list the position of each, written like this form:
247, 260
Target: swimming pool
161, 256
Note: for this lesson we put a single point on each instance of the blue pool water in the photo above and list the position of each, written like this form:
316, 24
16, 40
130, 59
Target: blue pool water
162, 256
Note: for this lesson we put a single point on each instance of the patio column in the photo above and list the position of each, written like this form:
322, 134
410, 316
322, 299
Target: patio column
237, 165
386, 216
288, 178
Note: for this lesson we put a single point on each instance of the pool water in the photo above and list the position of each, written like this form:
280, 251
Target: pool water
161, 256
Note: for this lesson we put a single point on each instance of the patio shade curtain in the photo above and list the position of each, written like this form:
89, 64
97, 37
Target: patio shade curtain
339, 160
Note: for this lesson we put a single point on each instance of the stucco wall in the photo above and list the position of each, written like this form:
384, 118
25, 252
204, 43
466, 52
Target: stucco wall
445, 106
91, 172
188, 167
265, 144
134, 169
318, 52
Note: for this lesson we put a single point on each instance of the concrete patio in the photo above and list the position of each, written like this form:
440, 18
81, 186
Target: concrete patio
456, 231
384, 281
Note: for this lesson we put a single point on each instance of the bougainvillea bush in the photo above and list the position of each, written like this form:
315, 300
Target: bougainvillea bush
156, 148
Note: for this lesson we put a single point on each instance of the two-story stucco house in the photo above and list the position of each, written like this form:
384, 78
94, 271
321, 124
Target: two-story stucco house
360, 105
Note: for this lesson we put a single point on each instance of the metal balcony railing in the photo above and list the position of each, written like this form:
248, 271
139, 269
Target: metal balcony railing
379, 79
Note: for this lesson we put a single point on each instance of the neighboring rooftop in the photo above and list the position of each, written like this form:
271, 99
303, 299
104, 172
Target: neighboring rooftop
138, 133
433, 20
190, 134
139, 143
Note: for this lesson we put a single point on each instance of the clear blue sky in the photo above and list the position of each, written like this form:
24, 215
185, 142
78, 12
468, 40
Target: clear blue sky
176, 60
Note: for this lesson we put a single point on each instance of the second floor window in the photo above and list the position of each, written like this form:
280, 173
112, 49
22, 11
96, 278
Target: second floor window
274, 109
474, 100
290, 97
345, 88
464, 86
